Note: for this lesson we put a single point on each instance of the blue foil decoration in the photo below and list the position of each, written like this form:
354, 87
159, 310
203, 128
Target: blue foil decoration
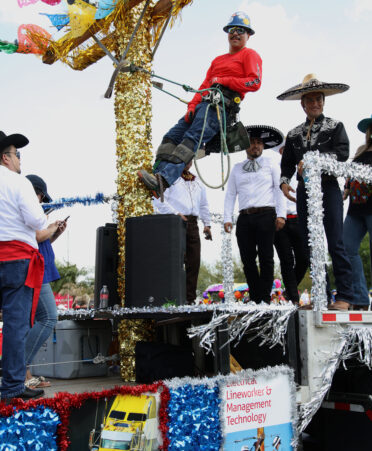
99, 198
194, 418
104, 8
29, 430
58, 20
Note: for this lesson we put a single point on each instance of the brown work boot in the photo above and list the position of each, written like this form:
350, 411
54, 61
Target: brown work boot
340, 305
154, 183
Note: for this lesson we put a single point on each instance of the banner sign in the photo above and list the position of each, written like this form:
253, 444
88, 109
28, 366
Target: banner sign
258, 412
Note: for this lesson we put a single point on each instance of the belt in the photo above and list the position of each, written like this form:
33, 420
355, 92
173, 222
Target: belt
291, 216
254, 210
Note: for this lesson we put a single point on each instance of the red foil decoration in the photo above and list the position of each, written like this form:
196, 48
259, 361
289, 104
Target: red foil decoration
63, 403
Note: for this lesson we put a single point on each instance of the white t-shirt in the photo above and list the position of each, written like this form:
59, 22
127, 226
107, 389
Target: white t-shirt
20, 211
186, 197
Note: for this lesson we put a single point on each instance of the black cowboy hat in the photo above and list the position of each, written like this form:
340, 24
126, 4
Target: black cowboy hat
16, 140
270, 136
38, 183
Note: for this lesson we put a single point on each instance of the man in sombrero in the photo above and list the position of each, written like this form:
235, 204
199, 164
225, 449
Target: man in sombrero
262, 209
327, 136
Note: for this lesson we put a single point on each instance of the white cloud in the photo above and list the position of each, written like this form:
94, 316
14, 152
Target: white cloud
361, 7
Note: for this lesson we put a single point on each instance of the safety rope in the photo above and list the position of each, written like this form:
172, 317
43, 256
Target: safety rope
222, 122
224, 150
99, 359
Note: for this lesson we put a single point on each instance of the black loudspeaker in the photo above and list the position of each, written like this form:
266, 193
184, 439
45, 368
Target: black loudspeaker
107, 256
155, 249
159, 361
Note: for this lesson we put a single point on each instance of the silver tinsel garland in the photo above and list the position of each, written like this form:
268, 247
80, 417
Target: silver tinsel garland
352, 342
270, 323
226, 258
314, 164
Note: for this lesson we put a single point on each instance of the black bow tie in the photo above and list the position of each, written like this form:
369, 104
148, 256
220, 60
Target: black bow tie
251, 166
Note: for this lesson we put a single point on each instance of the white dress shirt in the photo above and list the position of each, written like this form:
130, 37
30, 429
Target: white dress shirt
186, 197
20, 211
291, 206
255, 189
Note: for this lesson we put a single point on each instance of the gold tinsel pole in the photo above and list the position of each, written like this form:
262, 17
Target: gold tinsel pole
133, 147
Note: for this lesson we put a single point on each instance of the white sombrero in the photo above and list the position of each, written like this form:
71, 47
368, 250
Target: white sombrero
311, 84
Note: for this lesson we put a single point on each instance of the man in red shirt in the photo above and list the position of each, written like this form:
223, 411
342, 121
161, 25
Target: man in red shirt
235, 73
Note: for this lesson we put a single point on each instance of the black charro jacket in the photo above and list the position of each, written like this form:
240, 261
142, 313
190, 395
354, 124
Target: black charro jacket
327, 135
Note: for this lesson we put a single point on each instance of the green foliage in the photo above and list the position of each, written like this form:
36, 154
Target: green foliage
74, 281
306, 282
212, 274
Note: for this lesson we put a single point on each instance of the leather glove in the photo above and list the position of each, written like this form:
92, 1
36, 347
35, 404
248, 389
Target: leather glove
190, 114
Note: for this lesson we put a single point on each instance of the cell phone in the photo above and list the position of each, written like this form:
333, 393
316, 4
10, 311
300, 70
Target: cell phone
66, 218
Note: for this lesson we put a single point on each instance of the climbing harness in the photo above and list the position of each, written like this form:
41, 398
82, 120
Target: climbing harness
216, 99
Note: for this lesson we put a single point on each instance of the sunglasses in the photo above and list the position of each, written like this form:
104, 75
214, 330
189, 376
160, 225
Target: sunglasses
238, 30
17, 154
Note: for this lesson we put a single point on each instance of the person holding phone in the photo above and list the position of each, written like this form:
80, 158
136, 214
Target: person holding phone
46, 312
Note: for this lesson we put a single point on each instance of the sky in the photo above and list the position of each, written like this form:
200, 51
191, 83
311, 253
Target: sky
71, 127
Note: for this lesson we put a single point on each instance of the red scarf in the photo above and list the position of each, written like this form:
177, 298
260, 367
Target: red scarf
187, 176
16, 250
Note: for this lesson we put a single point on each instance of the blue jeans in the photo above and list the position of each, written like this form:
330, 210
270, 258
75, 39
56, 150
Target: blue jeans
355, 228
45, 320
333, 226
183, 130
16, 300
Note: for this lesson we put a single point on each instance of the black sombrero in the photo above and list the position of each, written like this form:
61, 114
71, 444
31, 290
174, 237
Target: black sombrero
270, 136
311, 84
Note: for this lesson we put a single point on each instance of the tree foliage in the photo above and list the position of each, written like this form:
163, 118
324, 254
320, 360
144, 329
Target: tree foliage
74, 281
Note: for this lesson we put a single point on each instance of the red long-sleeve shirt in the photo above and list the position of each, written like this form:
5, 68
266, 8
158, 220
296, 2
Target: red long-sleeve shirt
240, 72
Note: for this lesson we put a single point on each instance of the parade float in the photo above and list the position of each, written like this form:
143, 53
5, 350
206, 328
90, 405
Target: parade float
192, 412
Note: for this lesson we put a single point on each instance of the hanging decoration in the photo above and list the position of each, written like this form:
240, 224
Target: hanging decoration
32, 39
270, 323
22, 3
81, 16
8, 47
99, 198
58, 20
104, 8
